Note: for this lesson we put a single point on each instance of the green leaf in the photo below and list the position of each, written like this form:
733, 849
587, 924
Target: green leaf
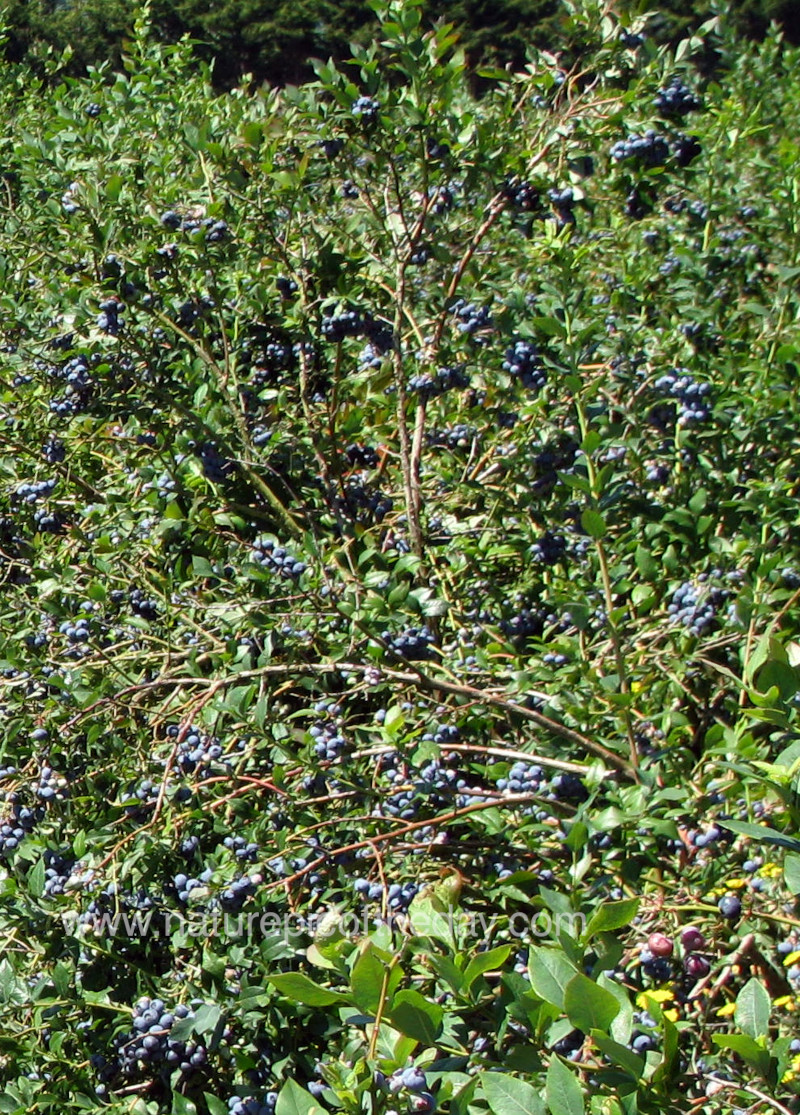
428, 918
201, 567
611, 915
367, 979
550, 972
182, 1106
621, 1055
207, 1018
114, 187
669, 1050
36, 879
747, 1048
645, 563
215, 1104
622, 1026
299, 988
562, 1090
484, 962
791, 873
417, 1017
294, 1100
588, 1006
753, 1007
763, 833
508, 1096
593, 523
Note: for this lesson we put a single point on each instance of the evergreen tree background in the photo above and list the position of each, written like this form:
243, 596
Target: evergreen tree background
273, 39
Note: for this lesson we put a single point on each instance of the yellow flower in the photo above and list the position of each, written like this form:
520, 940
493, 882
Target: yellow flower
726, 1011
662, 995
672, 1015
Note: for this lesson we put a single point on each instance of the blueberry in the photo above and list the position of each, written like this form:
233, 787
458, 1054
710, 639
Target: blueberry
730, 907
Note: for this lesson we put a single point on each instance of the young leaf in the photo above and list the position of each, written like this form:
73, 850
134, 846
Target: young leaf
588, 1006
563, 1092
296, 986
747, 1048
791, 872
294, 1100
484, 962
611, 915
508, 1096
753, 1006
631, 1062
417, 1017
550, 972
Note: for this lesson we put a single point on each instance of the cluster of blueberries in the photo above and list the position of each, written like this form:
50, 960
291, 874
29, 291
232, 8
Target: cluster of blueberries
367, 109
150, 1048
414, 644
412, 1083
648, 150
196, 751
270, 556
15, 826
140, 605
244, 850
522, 361
233, 897
329, 743
472, 321
75, 374
455, 437
215, 466
361, 456
215, 230
353, 323
523, 778
58, 871
252, 1106
696, 607
50, 786
694, 407
549, 548
522, 195
429, 386
399, 896
109, 320
360, 503
33, 492
676, 99
528, 624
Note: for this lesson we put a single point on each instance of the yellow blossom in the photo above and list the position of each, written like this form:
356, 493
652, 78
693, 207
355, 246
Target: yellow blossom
662, 995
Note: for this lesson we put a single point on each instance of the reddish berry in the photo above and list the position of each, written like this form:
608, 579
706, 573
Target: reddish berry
696, 966
660, 945
692, 939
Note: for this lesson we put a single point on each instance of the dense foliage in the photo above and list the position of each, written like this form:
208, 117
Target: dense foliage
274, 39
400, 566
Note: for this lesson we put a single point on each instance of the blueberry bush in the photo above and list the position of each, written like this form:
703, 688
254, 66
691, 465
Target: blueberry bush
401, 569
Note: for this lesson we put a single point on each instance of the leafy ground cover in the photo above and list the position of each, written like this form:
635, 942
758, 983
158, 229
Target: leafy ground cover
400, 573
